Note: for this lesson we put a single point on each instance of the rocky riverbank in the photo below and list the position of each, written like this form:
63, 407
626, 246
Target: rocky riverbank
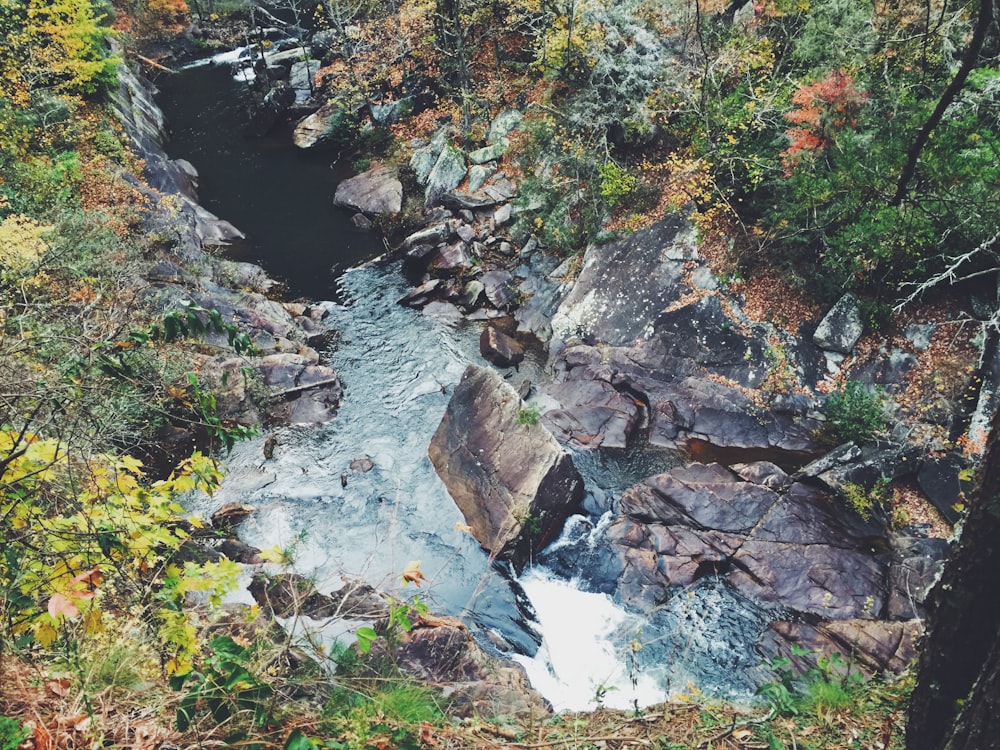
648, 345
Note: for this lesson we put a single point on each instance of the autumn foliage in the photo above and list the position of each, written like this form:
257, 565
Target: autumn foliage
821, 109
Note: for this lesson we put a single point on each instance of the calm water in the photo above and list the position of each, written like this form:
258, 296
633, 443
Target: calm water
279, 196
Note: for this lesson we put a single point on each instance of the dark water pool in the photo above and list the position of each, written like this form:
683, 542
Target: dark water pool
279, 196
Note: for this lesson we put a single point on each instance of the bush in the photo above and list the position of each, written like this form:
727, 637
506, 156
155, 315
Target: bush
855, 414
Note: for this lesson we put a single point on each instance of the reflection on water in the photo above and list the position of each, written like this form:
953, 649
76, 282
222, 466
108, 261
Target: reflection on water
281, 197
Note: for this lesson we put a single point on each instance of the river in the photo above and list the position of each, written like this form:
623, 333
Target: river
579, 647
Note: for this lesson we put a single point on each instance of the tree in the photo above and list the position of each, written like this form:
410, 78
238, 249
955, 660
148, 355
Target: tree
55, 46
956, 702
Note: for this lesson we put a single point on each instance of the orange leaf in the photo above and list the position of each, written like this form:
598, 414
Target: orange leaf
60, 604
412, 573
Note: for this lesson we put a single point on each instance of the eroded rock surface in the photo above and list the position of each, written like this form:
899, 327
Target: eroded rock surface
510, 478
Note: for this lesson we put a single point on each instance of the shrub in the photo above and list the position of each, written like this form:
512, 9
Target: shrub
855, 414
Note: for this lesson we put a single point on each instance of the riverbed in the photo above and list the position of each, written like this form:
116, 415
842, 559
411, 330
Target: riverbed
398, 366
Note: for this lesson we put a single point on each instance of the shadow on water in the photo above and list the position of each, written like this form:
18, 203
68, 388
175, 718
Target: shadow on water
280, 196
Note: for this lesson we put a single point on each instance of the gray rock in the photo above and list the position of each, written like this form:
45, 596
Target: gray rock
945, 481
471, 293
841, 327
362, 222
388, 113
622, 286
499, 288
512, 481
466, 233
502, 124
323, 41
478, 174
502, 215
430, 235
422, 162
489, 153
447, 173
374, 192
500, 349
920, 335
301, 79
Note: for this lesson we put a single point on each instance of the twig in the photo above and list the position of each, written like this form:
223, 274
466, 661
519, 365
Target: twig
155, 64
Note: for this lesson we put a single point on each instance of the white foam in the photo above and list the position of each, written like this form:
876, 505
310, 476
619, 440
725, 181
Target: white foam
584, 659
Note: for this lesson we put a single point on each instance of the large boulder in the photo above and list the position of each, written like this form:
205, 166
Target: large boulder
798, 549
510, 478
374, 192
623, 285
841, 327
446, 174
873, 645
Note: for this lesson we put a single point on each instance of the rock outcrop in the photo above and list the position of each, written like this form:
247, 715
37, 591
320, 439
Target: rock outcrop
373, 193
510, 478
796, 548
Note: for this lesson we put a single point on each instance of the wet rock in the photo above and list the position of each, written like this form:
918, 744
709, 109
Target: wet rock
499, 288
421, 295
289, 594
701, 496
874, 645
499, 348
513, 482
591, 414
798, 550
706, 411
429, 236
356, 600
441, 651
363, 464
374, 192
240, 552
450, 260
231, 515
841, 327
362, 222
313, 130
816, 579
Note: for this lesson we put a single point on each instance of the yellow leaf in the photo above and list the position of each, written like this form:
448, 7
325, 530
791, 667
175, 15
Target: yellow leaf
412, 573
273, 554
45, 633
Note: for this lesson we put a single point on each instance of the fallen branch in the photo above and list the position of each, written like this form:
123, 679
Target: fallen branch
154, 64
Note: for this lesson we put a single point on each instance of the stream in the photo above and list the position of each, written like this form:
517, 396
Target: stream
399, 367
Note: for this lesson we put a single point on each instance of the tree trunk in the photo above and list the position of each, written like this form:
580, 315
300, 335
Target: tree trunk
969, 60
956, 701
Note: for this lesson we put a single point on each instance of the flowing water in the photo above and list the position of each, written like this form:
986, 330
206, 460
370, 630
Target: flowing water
399, 367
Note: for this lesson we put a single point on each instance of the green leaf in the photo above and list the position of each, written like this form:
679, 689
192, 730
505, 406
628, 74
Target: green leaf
298, 741
366, 636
